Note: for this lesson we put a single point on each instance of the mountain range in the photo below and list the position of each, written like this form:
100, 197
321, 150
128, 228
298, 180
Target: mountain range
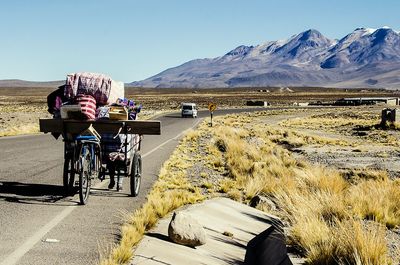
365, 58
10, 83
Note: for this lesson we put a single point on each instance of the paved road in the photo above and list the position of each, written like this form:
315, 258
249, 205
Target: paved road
40, 226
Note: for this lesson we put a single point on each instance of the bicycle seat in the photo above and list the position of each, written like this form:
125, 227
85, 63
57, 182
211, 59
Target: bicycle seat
86, 137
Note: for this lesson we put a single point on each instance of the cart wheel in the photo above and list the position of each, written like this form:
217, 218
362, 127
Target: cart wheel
136, 174
68, 175
84, 176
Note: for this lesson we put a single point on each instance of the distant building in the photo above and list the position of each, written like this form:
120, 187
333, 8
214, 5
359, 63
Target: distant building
257, 103
367, 101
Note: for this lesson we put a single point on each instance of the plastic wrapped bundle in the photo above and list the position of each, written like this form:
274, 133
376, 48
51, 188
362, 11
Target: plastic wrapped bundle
100, 86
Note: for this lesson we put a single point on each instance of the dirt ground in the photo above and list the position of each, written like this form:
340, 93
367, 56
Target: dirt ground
373, 149
20, 108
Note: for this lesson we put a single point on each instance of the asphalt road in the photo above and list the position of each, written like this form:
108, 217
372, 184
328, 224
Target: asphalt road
41, 226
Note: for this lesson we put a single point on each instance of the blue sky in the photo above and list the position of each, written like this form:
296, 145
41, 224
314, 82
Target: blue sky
131, 40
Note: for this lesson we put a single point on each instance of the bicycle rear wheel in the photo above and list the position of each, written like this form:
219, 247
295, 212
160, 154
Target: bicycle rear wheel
136, 174
84, 175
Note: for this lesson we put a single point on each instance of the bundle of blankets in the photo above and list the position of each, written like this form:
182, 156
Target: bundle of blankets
95, 94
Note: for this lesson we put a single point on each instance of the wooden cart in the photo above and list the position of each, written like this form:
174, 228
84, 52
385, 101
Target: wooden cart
83, 154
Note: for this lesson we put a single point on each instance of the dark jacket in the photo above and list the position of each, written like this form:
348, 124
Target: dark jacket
51, 98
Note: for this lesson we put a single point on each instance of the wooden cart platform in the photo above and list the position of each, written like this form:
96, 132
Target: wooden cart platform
149, 127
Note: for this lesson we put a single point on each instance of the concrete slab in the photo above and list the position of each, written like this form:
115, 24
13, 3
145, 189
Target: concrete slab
217, 216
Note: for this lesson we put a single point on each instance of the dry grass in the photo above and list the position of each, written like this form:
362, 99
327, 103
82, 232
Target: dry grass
341, 117
207, 185
29, 128
171, 190
322, 208
354, 176
328, 123
17, 118
377, 200
350, 242
294, 138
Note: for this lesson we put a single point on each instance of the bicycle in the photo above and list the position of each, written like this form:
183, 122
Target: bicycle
86, 155
82, 157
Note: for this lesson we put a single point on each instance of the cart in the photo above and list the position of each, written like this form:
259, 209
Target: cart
86, 156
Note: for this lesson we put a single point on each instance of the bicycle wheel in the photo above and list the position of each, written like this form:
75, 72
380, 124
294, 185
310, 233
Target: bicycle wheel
68, 175
84, 175
136, 174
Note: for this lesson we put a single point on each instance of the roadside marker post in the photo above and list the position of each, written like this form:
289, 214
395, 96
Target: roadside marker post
211, 108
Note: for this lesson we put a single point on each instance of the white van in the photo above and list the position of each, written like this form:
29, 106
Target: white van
189, 110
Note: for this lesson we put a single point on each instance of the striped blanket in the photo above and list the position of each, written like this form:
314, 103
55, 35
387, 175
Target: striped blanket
88, 105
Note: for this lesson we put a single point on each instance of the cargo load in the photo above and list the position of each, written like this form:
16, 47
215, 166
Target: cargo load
92, 96
101, 87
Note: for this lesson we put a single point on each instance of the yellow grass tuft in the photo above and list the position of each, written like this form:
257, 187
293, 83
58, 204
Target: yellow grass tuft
356, 175
20, 129
235, 195
362, 243
377, 200
226, 184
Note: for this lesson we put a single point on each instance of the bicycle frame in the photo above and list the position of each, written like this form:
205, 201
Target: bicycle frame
94, 145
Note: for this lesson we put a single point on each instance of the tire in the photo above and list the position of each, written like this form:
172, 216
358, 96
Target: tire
84, 175
68, 175
136, 174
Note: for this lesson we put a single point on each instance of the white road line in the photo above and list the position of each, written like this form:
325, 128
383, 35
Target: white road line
31, 241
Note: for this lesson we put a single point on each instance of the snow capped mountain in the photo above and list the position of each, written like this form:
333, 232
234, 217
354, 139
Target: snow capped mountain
365, 46
240, 51
304, 46
364, 58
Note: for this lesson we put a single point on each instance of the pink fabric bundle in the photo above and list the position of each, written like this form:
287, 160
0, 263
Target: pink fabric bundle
96, 85
88, 105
